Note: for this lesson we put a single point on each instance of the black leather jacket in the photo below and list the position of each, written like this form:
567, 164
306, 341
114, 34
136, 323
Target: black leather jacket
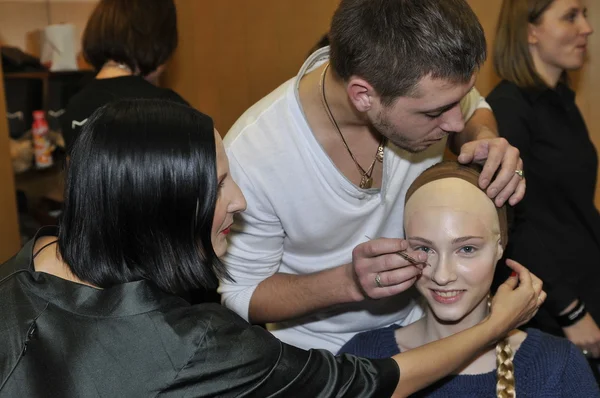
63, 339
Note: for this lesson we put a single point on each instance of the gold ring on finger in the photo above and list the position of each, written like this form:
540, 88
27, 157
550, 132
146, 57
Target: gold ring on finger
378, 280
520, 173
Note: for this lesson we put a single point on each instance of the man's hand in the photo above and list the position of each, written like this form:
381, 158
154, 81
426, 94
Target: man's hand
585, 334
496, 155
380, 272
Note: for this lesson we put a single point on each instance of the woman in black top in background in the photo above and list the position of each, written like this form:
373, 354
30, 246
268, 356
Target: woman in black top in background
128, 44
557, 226
96, 310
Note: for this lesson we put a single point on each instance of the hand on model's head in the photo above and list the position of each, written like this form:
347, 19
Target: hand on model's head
501, 159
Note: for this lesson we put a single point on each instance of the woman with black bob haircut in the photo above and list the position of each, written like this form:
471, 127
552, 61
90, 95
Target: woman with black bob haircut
128, 43
163, 185
98, 311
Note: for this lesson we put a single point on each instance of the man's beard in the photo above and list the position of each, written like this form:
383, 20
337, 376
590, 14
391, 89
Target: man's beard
385, 128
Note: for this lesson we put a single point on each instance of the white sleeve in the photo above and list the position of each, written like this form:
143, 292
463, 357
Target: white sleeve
255, 245
471, 102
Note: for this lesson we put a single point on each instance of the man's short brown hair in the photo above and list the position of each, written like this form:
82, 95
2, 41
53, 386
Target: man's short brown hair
392, 44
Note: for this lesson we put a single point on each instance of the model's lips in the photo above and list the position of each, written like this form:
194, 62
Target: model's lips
447, 296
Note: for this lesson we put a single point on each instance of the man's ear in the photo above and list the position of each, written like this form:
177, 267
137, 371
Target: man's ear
360, 93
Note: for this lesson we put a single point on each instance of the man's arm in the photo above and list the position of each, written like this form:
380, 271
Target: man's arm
260, 293
282, 297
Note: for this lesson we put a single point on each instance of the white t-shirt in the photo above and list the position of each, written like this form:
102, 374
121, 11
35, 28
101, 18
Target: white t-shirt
305, 216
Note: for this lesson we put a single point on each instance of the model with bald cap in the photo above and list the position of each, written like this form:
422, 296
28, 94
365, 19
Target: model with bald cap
464, 235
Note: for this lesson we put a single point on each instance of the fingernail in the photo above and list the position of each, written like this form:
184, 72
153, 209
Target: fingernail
493, 191
484, 183
500, 200
422, 257
513, 274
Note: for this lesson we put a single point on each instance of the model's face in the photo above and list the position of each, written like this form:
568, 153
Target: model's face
559, 39
230, 200
414, 123
457, 225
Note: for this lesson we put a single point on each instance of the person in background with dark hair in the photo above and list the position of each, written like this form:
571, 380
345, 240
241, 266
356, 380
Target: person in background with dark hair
93, 309
325, 160
128, 43
557, 225
464, 235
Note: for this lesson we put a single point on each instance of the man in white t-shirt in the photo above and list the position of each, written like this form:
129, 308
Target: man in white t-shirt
325, 160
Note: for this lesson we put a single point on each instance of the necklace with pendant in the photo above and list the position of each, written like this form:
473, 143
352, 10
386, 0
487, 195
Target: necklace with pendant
366, 180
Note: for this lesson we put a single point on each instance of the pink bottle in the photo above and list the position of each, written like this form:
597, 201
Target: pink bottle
41, 143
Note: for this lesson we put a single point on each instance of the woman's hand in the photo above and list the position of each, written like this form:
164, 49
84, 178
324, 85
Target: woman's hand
517, 300
585, 334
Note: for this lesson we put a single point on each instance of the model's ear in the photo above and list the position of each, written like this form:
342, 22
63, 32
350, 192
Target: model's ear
360, 93
499, 250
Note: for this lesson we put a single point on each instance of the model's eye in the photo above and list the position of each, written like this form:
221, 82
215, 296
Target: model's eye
468, 249
423, 249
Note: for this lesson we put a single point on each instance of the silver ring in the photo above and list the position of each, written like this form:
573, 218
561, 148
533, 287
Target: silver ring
520, 173
585, 353
378, 280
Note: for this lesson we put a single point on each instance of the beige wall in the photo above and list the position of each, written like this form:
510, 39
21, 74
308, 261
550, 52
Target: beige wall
233, 52
21, 19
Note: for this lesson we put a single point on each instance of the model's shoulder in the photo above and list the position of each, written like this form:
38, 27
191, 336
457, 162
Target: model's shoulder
374, 344
540, 348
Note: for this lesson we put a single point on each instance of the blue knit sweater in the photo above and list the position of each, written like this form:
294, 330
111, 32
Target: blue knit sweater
545, 366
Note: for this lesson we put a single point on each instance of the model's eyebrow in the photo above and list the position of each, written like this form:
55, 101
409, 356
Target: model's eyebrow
465, 238
422, 240
441, 109
454, 241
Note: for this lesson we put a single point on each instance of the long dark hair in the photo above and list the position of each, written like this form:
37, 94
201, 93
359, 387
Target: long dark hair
140, 198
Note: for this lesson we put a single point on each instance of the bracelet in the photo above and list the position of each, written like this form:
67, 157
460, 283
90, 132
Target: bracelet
573, 316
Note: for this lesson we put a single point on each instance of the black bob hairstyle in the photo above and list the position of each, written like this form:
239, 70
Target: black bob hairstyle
141, 34
140, 197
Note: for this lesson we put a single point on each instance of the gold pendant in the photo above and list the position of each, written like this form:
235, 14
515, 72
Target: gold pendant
366, 182
379, 155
